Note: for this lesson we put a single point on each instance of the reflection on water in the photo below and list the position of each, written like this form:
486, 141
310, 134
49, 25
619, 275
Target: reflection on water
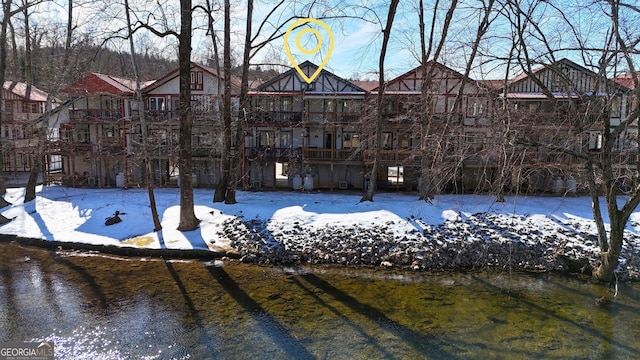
99, 307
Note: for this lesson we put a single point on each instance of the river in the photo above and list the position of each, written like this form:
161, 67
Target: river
106, 307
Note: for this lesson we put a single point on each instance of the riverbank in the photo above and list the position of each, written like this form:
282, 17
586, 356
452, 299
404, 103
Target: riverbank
454, 232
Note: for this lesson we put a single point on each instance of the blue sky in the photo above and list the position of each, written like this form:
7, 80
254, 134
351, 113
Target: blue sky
357, 28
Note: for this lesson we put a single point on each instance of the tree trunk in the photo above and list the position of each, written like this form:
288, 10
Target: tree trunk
237, 156
428, 185
157, 226
223, 186
30, 190
610, 259
188, 219
6, 16
379, 116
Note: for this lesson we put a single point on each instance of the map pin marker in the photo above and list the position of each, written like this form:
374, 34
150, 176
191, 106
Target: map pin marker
306, 51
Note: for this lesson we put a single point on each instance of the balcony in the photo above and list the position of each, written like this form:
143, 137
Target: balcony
275, 117
392, 156
348, 118
94, 116
207, 151
319, 154
271, 153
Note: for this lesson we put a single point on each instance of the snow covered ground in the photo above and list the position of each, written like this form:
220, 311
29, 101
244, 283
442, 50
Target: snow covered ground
454, 231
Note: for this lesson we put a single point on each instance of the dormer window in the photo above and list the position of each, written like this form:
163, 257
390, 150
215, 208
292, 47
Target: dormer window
196, 80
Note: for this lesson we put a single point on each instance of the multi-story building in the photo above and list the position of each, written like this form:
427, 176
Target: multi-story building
437, 122
163, 120
559, 112
95, 129
22, 108
305, 132
438, 126
101, 132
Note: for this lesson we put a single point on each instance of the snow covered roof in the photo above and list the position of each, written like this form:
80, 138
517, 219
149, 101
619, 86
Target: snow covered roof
25, 91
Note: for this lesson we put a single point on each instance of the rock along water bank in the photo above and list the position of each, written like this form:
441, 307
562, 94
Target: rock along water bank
480, 242
457, 232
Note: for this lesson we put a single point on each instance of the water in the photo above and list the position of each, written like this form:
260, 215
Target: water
105, 307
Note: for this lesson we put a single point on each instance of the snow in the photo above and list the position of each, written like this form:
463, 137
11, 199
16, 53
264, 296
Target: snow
78, 215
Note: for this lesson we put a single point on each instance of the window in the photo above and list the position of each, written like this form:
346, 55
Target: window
266, 138
202, 139
616, 104
31, 107
110, 130
395, 175
20, 133
404, 141
55, 163
595, 141
476, 107
286, 104
451, 104
81, 134
350, 140
6, 132
156, 104
387, 140
202, 103
351, 106
475, 142
316, 105
286, 139
196, 80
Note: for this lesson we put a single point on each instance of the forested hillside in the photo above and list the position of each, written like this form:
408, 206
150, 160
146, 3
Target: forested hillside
46, 61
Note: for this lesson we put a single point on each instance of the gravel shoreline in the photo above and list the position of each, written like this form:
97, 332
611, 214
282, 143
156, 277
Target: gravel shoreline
478, 242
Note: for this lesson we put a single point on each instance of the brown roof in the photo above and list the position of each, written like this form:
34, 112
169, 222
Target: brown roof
626, 80
94, 83
492, 84
366, 85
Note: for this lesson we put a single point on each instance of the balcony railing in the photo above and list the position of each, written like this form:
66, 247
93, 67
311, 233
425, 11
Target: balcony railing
319, 154
392, 156
271, 153
275, 117
94, 115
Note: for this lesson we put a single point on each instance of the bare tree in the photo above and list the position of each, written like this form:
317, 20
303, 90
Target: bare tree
386, 34
609, 171
8, 11
428, 183
157, 226
224, 183
188, 219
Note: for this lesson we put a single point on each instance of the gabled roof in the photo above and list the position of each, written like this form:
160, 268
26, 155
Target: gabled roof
491, 84
26, 91
516, 84
94, 83
626, 80
329, 82
412, 74
235, 81
367, 85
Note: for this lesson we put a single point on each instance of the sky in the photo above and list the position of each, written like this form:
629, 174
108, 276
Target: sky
357, 30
